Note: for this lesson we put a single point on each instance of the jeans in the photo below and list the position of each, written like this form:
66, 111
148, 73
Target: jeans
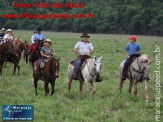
38, 65
126, 64
77, 66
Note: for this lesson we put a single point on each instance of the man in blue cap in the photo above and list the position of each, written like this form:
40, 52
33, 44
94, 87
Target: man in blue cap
32, 39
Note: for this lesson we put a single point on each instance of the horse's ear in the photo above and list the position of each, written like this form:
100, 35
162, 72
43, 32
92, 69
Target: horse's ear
95, 57
59, 58
100, 57
25, 41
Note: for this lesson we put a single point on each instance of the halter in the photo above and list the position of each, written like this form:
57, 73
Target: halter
138, 71
90, 72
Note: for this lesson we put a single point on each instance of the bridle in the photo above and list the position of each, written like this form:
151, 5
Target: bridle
139, 70
88, 67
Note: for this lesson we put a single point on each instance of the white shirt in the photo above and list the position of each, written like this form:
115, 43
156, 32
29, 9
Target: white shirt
84, 48
7, 37
32, 39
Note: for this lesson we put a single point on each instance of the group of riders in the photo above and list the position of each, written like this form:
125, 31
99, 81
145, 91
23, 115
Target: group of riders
83, 49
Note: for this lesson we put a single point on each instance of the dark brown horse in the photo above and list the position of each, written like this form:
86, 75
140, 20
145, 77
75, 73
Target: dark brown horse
48, 74
14, 58
37, 55
7, 46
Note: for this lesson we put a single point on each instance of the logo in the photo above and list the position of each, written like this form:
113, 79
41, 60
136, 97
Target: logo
17, 112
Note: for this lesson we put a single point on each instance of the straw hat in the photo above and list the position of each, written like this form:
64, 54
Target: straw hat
9, 30
48, 40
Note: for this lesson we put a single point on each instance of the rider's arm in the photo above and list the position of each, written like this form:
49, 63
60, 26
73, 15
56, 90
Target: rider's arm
90, 53
127, 54
42, 54
138, 49
76, 51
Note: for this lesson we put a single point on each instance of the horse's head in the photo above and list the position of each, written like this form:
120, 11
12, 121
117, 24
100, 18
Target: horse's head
25, 46
146, 64
55, 67
97, 64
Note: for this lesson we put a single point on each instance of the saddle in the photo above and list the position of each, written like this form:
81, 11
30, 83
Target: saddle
84, 62
73, 62
42, 65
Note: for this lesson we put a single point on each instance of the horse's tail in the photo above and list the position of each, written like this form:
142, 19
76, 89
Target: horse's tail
69, 73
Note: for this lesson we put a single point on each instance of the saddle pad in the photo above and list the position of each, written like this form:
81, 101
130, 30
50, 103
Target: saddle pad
36, 63
33, 48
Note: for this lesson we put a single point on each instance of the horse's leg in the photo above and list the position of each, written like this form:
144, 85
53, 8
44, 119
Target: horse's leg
130, 88
1, 69
1, 66
14, 69
35, 84
52, 85
46, 88
146, 91
18, 68
87, 86
94, 87
135, 92
69, 84
121, 84
81, 87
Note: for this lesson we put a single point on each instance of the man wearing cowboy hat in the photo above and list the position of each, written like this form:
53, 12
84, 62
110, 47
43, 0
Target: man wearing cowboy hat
83, 49
46, 52
32, 38
8, 36
2, 34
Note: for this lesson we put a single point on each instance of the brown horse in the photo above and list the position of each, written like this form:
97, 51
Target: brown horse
15, 57
48, 74
7, 46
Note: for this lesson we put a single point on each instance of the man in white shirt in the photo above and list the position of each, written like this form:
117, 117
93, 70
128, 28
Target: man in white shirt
83, 49
8, 36
32, 38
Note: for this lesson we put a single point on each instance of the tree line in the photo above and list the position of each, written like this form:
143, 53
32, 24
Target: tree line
110, 16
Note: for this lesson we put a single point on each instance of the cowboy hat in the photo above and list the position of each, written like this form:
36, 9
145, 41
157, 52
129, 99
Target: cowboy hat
85, 35
9, 30
48, 40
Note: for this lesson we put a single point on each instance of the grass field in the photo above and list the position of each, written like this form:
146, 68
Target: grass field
106, 105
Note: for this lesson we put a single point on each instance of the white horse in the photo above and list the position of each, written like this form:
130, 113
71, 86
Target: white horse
89, 73
137, 72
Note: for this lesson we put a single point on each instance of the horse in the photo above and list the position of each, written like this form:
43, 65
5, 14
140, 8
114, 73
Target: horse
36, 55
48, 74
17, 42
137, 72
15, 57
89, 72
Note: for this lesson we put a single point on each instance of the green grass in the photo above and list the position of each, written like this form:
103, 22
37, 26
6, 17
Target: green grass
106, 105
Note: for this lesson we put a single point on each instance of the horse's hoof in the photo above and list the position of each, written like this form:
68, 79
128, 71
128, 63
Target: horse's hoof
146, 100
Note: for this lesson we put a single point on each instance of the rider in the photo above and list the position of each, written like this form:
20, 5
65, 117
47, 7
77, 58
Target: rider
132, 50
38, 36
46, 52
32, 38
2, 34
83, 49
8, 37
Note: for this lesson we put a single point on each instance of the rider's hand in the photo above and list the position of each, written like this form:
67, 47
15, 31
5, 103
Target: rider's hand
128, 56
88, 54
